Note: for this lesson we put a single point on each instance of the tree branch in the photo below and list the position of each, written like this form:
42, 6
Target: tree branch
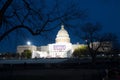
3, 9
16, 27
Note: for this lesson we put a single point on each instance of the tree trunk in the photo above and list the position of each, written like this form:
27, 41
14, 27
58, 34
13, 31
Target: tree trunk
93, 58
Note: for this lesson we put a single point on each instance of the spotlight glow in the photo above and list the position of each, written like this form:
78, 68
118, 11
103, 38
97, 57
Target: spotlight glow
28, 43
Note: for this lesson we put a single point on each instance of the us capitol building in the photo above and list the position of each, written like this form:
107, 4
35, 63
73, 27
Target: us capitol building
62, 48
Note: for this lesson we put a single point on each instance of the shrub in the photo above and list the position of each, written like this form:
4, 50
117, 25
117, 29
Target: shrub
80, 52
27, 54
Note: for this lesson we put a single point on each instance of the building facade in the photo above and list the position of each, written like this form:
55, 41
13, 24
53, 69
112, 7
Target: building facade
62, 48
21, 48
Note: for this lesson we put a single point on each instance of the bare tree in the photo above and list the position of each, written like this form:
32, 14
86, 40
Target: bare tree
113, 38
17, 14
92, 35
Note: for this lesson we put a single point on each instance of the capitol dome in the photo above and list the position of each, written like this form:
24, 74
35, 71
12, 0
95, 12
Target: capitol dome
62, 36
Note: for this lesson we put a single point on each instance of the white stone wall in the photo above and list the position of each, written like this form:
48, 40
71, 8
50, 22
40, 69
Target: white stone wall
21, 48
39, 54
42, 48
105, 46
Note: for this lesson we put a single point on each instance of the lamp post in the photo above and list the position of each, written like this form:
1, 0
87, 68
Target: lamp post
86, 41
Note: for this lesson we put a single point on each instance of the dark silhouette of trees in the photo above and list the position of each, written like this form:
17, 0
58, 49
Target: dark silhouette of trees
92, 37
26, 54
34, 16
113, 53
80, 52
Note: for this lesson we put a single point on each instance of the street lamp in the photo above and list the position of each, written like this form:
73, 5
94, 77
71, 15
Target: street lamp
86, 41
28, 43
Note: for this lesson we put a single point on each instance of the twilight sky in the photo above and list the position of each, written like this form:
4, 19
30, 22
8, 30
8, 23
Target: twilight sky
106, 12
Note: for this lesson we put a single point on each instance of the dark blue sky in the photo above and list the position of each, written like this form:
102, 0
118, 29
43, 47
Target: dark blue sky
106, 12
